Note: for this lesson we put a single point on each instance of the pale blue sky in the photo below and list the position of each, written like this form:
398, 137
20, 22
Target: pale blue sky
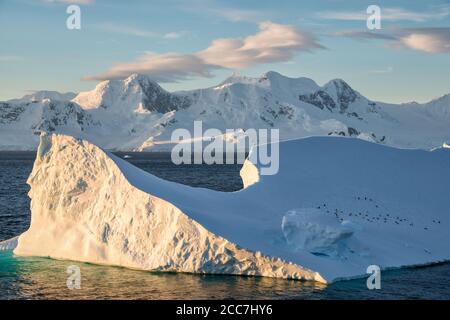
409, 61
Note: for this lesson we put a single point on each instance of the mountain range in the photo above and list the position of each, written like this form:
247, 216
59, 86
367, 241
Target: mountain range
137, 114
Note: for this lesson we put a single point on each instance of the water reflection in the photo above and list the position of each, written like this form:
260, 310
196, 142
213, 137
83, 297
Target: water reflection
35, 278
40, 278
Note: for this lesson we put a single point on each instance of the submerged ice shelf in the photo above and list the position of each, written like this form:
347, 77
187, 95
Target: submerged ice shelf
336, 206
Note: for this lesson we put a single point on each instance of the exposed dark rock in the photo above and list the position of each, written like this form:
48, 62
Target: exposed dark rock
320, 99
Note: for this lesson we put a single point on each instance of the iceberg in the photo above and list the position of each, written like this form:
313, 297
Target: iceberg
336, 206
8, 244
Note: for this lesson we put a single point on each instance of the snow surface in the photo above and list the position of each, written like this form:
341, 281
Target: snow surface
137, 114
315, 231
336, 206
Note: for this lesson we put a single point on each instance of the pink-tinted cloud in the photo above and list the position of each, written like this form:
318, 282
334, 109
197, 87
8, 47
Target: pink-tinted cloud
273, 43
169, 67
433, 40
428, 40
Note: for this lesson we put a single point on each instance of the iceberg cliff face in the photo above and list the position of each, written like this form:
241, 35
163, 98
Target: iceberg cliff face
335, 207
84, 208
8, 244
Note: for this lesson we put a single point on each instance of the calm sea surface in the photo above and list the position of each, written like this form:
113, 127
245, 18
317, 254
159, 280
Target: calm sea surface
39, 278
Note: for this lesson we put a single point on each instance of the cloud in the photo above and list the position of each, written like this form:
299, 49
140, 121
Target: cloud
70, 1
428, 40
388, 14
126, 30
174, 35
365, 35
137, 32
169, 67
236, 15
213, 8
382, 70
6, 58
273, 43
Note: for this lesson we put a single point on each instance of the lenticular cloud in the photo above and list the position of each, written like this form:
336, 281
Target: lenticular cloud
273, 43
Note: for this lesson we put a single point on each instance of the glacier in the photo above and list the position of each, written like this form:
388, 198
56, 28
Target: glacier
336, 206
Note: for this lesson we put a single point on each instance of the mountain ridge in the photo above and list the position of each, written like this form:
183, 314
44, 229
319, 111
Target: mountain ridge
136, 113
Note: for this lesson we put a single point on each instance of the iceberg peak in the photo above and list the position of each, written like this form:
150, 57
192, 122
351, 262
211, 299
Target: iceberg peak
315, 220
74, 218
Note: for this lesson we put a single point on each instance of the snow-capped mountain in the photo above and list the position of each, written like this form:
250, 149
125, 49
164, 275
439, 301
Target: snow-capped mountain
136, 93
137, 114
45, 94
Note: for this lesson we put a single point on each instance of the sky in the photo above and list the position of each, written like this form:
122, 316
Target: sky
198, 43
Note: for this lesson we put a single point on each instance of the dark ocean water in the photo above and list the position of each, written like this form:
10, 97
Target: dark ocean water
40, 278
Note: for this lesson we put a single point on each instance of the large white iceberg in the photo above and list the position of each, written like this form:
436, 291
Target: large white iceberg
336, 206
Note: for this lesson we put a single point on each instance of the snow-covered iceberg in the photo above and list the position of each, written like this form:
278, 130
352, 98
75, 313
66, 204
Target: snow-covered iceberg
336, 206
